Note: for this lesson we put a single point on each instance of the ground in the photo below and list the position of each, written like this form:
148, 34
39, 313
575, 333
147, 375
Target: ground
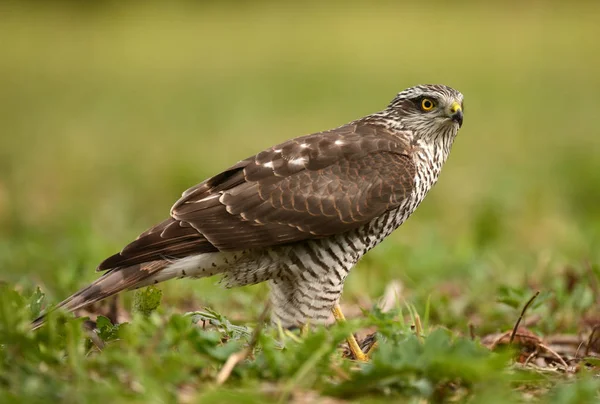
107, 113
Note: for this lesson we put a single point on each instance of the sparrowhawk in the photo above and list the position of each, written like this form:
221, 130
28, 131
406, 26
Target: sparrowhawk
300, 214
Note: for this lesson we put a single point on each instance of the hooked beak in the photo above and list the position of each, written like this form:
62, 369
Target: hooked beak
456, 113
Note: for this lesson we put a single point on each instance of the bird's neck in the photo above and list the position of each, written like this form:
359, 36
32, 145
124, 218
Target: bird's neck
429, 158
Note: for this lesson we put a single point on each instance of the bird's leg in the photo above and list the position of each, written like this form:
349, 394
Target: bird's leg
359, 355
305, 329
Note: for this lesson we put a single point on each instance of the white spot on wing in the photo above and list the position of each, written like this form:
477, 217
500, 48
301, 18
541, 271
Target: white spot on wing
268, 164
304, 145
339, 142
300, 161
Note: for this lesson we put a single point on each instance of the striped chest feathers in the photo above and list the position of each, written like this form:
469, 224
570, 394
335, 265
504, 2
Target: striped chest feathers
429, 159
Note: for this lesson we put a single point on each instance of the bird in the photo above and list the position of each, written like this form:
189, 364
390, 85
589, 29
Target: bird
298, 215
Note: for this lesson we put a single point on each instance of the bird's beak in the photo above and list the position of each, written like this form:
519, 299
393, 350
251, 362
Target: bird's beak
456, 113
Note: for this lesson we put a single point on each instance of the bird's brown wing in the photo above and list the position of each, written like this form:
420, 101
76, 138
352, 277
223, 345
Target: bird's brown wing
310, 187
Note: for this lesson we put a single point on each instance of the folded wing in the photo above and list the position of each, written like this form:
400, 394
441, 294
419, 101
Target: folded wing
310, 187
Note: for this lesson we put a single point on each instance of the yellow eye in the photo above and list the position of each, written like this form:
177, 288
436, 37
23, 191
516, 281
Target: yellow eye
427, 104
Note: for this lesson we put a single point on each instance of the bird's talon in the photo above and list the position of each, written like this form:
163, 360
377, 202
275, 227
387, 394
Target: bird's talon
361, 356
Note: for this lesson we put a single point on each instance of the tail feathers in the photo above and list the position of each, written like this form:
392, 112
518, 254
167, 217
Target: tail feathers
109, 284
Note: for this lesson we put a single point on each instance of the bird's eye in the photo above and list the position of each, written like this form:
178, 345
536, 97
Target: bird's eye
427, 104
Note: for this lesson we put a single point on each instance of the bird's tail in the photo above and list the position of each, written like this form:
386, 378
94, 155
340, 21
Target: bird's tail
112, 282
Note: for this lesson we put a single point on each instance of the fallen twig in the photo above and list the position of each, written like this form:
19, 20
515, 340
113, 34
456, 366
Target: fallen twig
514, 332
531, 356
556, 355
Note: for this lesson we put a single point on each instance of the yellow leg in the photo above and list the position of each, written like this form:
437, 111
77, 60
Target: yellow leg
352, 344
304, 330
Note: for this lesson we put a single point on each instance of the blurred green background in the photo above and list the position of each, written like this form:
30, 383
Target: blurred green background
108, 112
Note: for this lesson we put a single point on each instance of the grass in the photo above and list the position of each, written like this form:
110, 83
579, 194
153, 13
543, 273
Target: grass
109, 112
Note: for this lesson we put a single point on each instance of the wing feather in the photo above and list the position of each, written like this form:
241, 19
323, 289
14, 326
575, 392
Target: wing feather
310, 187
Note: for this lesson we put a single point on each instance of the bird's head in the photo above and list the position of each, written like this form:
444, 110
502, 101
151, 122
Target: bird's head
430, 111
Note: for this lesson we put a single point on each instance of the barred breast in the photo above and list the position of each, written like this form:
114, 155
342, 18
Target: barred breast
309, 279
